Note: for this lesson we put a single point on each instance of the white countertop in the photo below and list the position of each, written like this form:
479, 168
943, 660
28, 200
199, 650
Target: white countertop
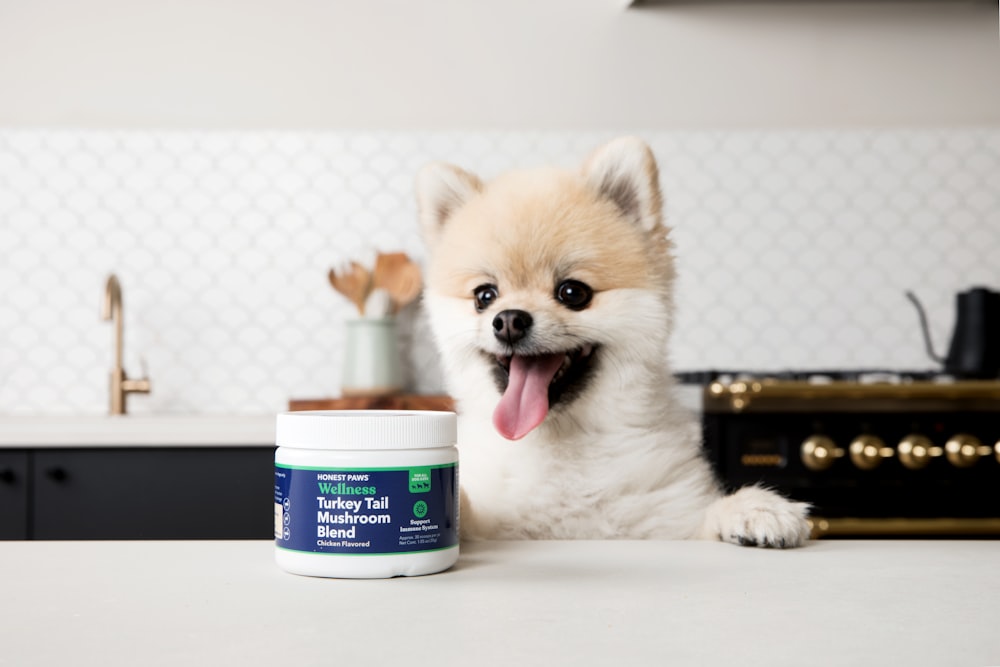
137, 430
506, 603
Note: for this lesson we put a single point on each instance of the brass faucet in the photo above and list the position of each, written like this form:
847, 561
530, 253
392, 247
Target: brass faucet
121, 386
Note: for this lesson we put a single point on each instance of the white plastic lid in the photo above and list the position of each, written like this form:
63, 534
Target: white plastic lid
366, 429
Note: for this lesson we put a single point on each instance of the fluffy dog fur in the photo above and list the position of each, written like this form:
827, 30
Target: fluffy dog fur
546, 267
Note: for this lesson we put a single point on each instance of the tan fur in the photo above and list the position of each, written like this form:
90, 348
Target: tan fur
524, 220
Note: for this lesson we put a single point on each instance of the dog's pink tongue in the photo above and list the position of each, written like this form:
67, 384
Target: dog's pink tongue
526, 401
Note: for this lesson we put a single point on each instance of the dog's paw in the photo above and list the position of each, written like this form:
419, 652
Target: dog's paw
756, 517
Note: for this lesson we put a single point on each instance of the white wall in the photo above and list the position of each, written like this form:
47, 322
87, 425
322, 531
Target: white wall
520, 64
794, 249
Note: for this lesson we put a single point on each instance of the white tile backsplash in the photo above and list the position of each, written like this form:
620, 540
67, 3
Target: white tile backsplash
794, 249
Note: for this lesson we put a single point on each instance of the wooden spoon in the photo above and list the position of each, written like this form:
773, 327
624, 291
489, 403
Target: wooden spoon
399, 276
407, 285
354, 283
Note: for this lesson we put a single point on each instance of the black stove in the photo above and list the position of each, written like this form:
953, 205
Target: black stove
876, 452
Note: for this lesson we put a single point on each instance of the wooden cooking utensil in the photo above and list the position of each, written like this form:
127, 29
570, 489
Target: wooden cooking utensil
399, 276
354, 283
408, 283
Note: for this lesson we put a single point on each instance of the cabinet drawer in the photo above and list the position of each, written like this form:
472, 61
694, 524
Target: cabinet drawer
13, 495
175, 493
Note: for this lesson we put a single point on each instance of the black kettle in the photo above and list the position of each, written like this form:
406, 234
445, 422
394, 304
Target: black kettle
974, 352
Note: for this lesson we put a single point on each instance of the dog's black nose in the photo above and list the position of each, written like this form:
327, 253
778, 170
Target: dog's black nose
510, 326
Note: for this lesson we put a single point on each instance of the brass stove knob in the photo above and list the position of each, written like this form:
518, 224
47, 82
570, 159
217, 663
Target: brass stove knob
818, 452
963, 450
916, 451
867, 451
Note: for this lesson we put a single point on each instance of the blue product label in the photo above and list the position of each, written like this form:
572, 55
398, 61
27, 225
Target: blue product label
365, 511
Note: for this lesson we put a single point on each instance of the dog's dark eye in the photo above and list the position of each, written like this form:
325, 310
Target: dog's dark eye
485, 296
574, 294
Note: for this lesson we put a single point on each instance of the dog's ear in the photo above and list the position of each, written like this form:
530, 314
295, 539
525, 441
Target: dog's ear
625, 172
441, 189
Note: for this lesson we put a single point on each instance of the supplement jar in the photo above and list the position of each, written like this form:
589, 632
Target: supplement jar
366, 493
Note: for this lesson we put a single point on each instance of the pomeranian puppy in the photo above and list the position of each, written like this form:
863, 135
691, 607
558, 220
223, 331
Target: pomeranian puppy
549, 295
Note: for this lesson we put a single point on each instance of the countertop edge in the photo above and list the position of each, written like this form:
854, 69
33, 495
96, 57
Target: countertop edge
137, 431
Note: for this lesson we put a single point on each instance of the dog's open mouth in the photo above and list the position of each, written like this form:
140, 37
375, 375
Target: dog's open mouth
532, 383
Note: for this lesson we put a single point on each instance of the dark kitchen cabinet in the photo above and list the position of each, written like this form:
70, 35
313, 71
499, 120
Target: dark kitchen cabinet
143, 493
13, 495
